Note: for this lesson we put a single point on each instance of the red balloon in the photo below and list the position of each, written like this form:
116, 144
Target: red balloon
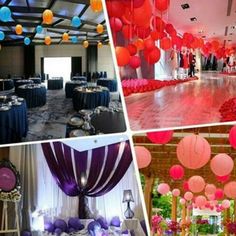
142, 32
152, 56
155, 35
166, 43
160, 137
132, 49
122, 56
136, 3
149, 44
169, 28
162, 5
232, 137
176, 172
177, 41
115, 8
128, 31
158, 24
116, 24
219, 194
135, 62
223, 179
215, 45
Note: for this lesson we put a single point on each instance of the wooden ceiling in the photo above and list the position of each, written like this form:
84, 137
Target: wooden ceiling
164, 156
28, 13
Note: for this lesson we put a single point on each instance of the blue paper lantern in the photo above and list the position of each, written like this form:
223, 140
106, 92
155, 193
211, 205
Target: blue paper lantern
5, 14
76, 22
39, 29
2, 35
27, 40
74, 39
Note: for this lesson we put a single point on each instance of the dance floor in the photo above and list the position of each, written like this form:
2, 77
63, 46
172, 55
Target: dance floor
192, 103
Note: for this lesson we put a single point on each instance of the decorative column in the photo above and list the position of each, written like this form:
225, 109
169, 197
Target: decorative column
226, 219
183, 219
174, 209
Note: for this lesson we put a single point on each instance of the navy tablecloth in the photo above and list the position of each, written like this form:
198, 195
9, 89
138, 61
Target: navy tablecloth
71, 85
13, 124
81, 78
34, 97
90, 100
55, 83
111, 84
36, 80
6, 84
22, 82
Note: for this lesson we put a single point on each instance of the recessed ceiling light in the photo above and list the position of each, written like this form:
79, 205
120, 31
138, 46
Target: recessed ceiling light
185, 6
193, 19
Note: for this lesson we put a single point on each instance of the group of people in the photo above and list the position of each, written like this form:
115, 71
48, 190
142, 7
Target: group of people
229, 65
183, 63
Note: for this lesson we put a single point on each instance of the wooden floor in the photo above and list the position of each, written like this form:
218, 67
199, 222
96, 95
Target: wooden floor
191, 103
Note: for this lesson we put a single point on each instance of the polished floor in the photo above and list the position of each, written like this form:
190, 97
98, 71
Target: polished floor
192, 103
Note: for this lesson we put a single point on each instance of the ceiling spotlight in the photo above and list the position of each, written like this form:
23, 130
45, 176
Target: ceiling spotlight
185, 6
193, 19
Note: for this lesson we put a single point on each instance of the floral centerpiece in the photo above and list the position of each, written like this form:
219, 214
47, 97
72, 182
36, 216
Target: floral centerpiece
158, 225
231, 227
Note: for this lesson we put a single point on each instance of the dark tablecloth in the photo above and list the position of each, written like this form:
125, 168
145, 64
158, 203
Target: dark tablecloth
6, 84
55, 83
34, 97
22, 82
90, 100
13, 124
81, 78
36, 80
71, 85
111, 84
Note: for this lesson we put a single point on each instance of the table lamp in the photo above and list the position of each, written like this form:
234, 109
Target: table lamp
128, 197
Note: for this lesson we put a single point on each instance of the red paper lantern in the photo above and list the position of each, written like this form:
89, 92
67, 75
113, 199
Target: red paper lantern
200, 201
152, 56
162, 5
132, 49
165, 43
223, 179
149, 44
193, 151
163, 188
176, 172
143, 156
196, 184
122, 56
232, 137
188, 196
219, 194
160, 137
115, 8
135, 62
230, 189
116, 24
222, 164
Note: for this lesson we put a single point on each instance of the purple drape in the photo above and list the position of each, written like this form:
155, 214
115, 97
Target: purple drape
60, 157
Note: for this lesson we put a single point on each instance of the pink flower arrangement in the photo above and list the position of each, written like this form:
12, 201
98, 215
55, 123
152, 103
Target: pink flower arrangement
157, 224
174, 226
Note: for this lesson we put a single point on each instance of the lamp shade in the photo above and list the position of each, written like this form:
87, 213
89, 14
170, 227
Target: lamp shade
128, 196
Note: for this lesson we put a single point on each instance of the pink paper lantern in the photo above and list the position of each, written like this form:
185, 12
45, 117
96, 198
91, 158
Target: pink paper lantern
163, 188
230, 189
176, 172
222, 164
225, 204
196, 184
223, 179
188, 196
210, 189
200, 201
143, 156
219, 194
211, 197
193, 151
232, 137
176, 192
182, 201
160, 137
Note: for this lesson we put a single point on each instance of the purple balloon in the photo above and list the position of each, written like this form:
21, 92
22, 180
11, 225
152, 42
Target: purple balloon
25, 233
93, 225
71, 230
74, 222
115, 221
58, 231
49, 227
8, 179
61, 224
102, 221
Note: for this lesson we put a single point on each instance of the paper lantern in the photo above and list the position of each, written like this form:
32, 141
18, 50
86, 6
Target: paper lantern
75, 22
211, 197
176, 172
223, 179
188, 196
132, 49
39, 29
160, 137
116, 24
19, 29
27, 41
152, 56
65, 37
182, 201
143, 156
222, 164
196, 184
163, 188
210, 189
74, 39
47, 40
193, 151
166, 43
100, 28
122, 56
230, 189
232, 137
200, 201
47, 17
135, 62
96, 5
185, 186
176, 192
219, 194
162, 5
2, 35
225, 204
100, 44
5, 14
85, 44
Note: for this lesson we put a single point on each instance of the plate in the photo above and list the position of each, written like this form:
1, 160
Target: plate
85, 112
78, 133
20, 99
5, 108
76, 121
16, 103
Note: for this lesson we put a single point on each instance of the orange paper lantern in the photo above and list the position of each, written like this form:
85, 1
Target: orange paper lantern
19, 29
100, 28
96, 5
47, 17
65, 37
47, 40
100, 44
85, 44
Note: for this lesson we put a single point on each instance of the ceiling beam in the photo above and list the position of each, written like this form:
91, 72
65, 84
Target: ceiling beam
7, 2
84, 10
51, 4
27, 3
57, 22
20, 9
86, 2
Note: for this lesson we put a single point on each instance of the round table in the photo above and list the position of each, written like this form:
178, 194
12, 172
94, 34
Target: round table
6, 84
71, 85
36, 80
111, 84
22, 82
81, 78
13, 124
55, 83
90, 98
34, 94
